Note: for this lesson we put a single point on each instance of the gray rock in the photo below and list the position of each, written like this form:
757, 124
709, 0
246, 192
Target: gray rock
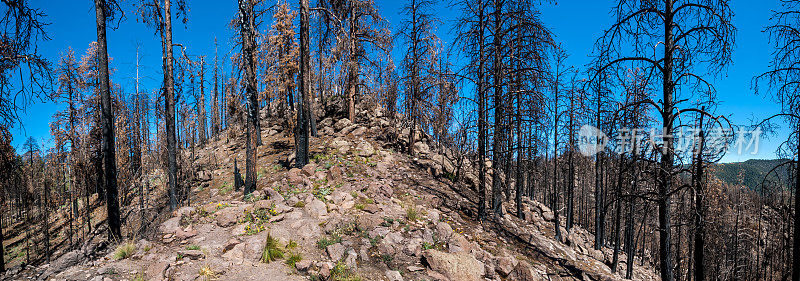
394, 275
335, 251
460, 266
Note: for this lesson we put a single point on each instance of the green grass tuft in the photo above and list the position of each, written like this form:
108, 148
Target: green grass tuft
272, 250
124, 251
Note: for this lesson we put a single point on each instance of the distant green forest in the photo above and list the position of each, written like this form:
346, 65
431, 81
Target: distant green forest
753, 172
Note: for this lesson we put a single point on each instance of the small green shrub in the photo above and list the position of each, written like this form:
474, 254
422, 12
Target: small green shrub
411, 213
192, 247
272, 250
292, 259
324, 242
341, 272
124, 251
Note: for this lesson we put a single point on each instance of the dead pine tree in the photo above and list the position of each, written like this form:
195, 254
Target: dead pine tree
158, 15
105, 11
694, 35
782, 82
303, 124
246, 22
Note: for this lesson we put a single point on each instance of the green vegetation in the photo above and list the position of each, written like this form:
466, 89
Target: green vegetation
192, 247
751, 173
124, 251
341, 272
293, 259
272, 250
324, 242
411, 213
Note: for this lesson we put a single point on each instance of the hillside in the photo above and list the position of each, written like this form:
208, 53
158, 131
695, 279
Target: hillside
359, 211
753, 172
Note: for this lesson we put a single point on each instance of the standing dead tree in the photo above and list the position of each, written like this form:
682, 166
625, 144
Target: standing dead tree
106, 11
20, 28
158, 14
783, 79
692, 35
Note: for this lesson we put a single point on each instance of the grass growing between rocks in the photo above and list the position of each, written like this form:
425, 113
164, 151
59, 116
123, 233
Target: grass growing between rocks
124, 251
341, 272
272, 250
293, 259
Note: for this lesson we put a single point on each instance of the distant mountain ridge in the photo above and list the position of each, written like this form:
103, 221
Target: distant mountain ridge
753, 172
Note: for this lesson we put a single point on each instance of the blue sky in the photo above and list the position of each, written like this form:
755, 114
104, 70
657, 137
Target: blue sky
576, 23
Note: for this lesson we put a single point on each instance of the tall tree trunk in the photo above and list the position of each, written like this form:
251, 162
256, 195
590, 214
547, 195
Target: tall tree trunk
109, 160
304, 114
699, 205
796, 242
2, 238
481, 115
630, 246
618, 215
353, 68
202, 104
247, 23
664, 225
169, 107
497, 194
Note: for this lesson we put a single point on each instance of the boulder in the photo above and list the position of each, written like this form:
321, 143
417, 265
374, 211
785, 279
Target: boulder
335, 251
525, 272
342, 123
227, 217
359, 131
63, 262
316, 208
504, 265
393, 275
365, 149
170, 226
302, 265
294, 176
309, 169
192, 254
459, 266
421, 148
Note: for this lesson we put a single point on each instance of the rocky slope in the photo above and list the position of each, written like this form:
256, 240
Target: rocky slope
360, 211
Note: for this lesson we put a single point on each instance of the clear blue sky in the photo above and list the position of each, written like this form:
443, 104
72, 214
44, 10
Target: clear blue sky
576, 23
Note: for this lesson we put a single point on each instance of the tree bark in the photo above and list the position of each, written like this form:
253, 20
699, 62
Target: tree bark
481, 115
169, 107
304, 114
665, 173
497, 194
247, 24
796, 242
699, 225
109, 160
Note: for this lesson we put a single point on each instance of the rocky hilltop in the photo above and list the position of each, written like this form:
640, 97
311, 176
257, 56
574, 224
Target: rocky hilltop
360, 211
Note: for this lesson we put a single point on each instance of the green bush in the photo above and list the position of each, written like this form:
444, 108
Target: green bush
124, 251
272, 250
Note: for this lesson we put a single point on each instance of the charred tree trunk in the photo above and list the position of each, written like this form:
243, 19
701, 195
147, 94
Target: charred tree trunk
109, 160
247, 24
699, 205
169, 107
304, 114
